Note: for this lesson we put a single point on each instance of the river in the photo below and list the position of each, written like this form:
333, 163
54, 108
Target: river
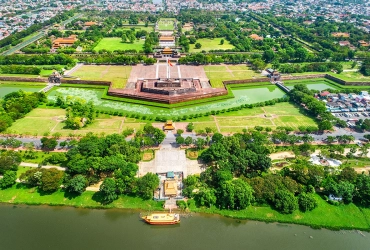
54, 228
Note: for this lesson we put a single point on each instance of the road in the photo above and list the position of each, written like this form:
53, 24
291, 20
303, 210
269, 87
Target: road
170, 139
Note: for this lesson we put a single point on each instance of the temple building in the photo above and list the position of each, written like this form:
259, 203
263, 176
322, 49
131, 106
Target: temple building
166, 41
167, 52
64, 42
169, 126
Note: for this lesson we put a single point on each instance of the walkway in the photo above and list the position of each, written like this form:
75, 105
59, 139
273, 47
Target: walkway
34, 165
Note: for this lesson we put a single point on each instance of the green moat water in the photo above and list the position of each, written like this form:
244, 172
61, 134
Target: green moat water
42, 227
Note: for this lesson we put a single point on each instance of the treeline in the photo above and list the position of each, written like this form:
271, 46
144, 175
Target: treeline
365, 67
16, 38
16, 105
304, 97
37, 60
19, 69
311, 67
112, 58
237, 176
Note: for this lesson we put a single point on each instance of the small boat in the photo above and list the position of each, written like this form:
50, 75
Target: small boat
162, 219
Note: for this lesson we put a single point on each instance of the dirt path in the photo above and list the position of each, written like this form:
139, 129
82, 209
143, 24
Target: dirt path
229, 70
217, 126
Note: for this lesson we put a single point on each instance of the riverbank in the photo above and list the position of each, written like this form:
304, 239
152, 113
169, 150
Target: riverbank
324, 216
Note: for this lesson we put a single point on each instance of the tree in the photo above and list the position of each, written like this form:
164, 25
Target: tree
179, 131
198, 45
268, 55
8, 179
180, 140
51, 179
362, 194
188, 141
325, 125
190, 127
9, 160
48, 143
206, 197
108, 190
307, 202
200, 142
208, 130
235, 194
348, 174
124, 38
222, 42
217, 137
147, 184
77, 184
285, 202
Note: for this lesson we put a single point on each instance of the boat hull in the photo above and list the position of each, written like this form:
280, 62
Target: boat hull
161, 222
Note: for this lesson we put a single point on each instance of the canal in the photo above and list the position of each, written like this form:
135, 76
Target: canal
42, 227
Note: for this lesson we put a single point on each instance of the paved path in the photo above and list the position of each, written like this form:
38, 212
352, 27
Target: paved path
34, 165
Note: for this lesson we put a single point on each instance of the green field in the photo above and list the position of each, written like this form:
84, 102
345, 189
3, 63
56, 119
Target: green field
115, 43
210, 44
166, 24
137, 28
118, 75
218, 73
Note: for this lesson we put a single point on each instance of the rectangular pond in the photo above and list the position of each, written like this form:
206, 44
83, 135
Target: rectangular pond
317, 85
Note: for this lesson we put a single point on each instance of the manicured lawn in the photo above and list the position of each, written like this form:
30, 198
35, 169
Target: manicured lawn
294, 121
22, 170
244, 121
32, 125
150, 28
50, 112
219, 73
210, 44
116, 74
115, 43
166, 25
202, 126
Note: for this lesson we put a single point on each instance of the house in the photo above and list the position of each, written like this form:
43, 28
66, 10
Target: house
64, 42
343, 97
188, 26
89, 24
256, 37
362, 43
344, 43
340, 34
324, 94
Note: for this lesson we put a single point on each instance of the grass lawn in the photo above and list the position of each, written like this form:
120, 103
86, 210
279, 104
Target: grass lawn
166, 25
39, 156
116, 74
22, 170
149, 29
210, 44
250, 122
32, 125
114, 43
202, 126
218, 73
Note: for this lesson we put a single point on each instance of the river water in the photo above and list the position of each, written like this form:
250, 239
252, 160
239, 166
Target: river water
42, 227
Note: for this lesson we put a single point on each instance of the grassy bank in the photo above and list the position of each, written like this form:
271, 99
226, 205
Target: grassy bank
325, 216
20, 194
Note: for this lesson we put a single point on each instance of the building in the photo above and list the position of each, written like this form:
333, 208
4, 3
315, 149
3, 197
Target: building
256, 37
169, 126
89, 24
340, 34
64, 42
167, 41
